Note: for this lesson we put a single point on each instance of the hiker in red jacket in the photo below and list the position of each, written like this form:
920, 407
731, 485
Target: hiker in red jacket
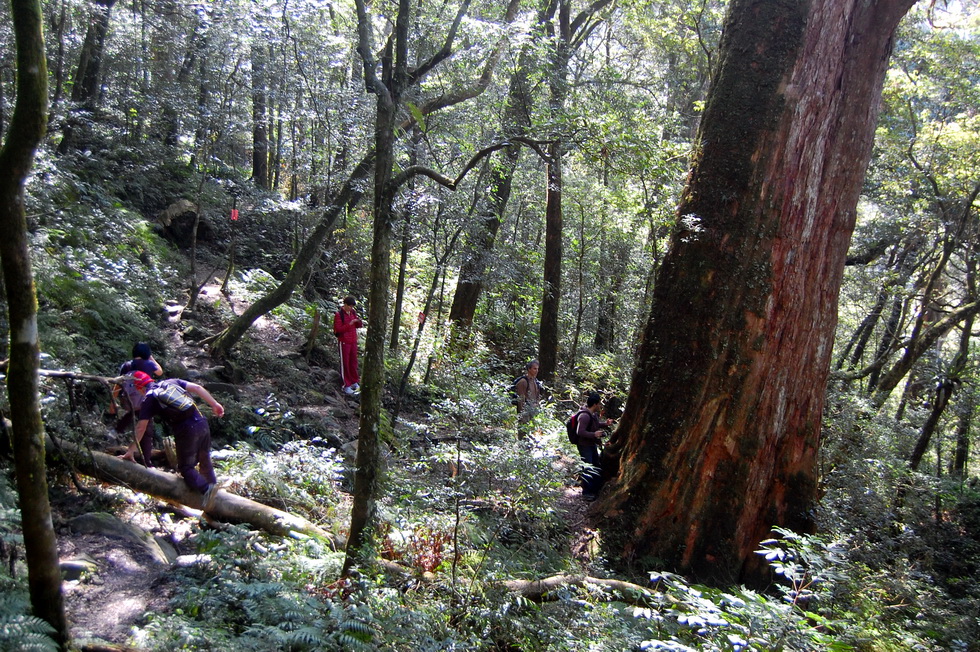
345, 325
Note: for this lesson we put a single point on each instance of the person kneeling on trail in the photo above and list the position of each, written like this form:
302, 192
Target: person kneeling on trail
192, 435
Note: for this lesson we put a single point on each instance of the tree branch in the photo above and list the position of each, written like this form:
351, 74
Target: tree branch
445, 51
438, 177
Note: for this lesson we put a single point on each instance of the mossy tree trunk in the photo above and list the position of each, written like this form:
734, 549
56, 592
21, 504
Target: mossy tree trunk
27, 128
388, 85
719, 440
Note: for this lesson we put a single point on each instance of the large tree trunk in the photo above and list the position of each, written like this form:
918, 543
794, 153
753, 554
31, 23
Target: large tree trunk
88, 77
16, 158
719, 440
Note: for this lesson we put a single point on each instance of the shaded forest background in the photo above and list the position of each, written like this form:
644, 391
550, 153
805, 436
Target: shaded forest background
166, 117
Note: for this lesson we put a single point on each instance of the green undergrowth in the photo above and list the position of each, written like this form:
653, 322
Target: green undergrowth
462, 517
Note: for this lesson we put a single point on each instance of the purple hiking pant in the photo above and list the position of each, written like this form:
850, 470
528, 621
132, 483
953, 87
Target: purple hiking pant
193, 442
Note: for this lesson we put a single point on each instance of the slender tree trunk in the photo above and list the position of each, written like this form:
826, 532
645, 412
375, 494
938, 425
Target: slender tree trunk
580, 290
961, 454
16, 158
570, 34
59, 65
548, 334
442, 261
400, 285
260, 135
387, 87
367, 469
410, 207
941, 397
551, 300
719, 439
888, 340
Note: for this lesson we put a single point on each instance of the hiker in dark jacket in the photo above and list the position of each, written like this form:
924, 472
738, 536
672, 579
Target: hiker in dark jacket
192, 435
589, 436
142, 361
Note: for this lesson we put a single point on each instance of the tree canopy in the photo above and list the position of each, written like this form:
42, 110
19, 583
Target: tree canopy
654, 200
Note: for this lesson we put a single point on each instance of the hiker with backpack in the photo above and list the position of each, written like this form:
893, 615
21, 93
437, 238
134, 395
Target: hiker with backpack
126, 393
345, 325
172, 400
585, 431
527, 396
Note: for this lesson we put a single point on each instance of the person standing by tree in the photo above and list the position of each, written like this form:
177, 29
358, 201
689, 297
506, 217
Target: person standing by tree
589, 429
528, 391
192, 435
345, 325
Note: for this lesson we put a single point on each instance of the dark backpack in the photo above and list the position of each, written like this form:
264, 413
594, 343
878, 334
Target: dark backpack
571, 427
173, 396
514, 397
132, 397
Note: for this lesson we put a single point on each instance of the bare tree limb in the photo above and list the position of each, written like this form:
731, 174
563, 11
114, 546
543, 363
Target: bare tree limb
452, 184
445, 51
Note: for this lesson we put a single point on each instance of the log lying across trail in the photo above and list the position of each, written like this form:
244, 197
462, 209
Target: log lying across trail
548, 589
171, 488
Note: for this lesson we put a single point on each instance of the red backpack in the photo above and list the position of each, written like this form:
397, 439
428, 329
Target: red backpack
571, 426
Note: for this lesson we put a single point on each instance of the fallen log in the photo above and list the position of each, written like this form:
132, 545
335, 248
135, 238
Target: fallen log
172, 489
547, 589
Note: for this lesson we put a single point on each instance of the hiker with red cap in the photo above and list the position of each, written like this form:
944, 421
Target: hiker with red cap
172, 400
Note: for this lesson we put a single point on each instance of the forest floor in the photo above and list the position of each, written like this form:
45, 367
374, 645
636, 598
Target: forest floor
123, 578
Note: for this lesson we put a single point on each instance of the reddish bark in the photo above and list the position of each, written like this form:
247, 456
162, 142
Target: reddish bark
719, 440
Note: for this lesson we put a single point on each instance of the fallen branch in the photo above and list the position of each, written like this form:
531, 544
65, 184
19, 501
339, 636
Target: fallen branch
171, 488
547, 589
